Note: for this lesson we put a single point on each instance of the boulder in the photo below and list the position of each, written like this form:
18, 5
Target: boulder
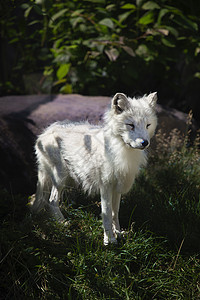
22, 118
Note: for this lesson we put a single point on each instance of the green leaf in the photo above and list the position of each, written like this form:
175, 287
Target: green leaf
150, 5
172, 30
66, 89
57, 15
75, 21
187, 23
48, 71
34, 22
161, 14
58, 82
14, 40
129, 6
27, 11
38, 10
25, 6
77, 12
142, 50
174, 10
167, 42
107, 22
197, 51
147, 18
129, 50
110, 7
197, 75
63, 71
118, 23
124, 16
112, 54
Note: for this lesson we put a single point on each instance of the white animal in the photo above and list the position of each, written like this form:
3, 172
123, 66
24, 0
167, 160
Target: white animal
103, 159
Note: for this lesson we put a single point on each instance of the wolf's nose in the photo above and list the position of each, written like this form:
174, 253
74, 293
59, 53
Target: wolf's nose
145, 143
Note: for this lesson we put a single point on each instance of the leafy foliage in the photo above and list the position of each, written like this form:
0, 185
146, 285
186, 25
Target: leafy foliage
99, 46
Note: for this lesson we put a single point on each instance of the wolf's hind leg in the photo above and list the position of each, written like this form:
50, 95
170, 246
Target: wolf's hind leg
54, 204
42, 193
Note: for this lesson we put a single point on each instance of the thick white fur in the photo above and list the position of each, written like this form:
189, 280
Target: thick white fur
103, 159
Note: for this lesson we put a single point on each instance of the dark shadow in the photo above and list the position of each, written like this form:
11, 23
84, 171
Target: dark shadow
17, 159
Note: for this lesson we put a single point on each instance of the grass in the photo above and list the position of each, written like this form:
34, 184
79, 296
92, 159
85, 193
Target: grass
157, 259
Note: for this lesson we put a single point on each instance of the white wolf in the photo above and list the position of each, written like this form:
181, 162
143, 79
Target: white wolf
103, 159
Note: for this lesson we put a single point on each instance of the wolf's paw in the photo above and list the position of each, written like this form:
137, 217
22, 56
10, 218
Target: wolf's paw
109, 240
121, 236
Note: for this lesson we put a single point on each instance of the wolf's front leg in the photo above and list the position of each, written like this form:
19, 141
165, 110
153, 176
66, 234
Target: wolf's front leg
106, 210
116, 197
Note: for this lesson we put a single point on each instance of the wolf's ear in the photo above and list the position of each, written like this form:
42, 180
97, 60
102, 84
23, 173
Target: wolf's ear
119, 103
152, 99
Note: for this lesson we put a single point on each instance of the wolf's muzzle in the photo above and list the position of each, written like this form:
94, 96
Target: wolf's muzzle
144, 144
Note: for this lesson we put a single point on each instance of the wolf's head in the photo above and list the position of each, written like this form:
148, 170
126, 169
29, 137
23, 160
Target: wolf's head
133, 120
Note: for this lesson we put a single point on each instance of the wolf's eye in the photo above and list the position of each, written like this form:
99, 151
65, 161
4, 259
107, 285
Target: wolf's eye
132, 126
148, 125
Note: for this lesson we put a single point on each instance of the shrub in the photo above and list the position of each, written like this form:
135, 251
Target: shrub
99, 47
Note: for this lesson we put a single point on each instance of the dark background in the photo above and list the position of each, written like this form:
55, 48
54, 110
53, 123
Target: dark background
99, 47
